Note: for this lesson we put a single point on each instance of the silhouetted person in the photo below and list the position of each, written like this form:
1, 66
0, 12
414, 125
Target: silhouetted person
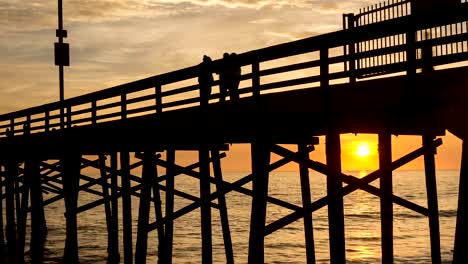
229, 77
205, 79
223, 77
234, 77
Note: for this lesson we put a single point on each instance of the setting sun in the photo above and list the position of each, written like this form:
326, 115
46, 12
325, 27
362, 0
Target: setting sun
363, 150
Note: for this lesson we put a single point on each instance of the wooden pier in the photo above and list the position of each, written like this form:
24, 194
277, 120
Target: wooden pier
375, 76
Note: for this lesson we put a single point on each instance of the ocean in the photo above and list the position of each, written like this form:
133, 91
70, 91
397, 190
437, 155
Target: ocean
362, 223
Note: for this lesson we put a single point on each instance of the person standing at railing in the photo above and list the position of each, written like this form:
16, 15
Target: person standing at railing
229, 77
223, 77
205, 79
234, 75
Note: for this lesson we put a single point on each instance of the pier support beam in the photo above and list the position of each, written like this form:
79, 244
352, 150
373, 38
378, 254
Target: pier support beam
11, 172
386, 203
2, 234
433, 207
23, 216
222, 206
205, 208
260, 172
71, 180
112, 250
126, 207
306, 203
148, 177
169, 226
335, 200
38, 220
162, 254
460, 254
114, 255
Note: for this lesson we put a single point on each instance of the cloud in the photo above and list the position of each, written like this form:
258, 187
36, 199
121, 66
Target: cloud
117, 41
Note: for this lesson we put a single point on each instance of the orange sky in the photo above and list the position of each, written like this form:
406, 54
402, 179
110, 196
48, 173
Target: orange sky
117, 41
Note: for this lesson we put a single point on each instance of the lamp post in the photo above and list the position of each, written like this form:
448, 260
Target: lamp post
62, 58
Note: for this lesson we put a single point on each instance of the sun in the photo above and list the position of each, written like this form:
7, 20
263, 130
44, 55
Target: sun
363, 150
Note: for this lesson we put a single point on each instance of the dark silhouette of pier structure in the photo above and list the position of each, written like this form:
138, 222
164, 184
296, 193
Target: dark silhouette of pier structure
396, 68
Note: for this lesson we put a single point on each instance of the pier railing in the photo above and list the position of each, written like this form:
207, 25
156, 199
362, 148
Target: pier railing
386, 46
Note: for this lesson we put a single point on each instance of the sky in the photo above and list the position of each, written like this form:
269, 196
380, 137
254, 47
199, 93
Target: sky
117, 41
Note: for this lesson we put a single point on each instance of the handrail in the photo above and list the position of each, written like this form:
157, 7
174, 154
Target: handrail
92, 109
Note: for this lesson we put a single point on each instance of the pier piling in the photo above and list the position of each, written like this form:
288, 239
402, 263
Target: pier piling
71, 179
433, 207
260, 171
386, 201
306, 203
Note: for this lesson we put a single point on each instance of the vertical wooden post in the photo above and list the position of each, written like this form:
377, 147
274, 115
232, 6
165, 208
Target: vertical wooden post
386, 203
114, 256
47, 121
69, 116
431, 187
335, 200
306, 203
21, 238
222, 206
94, 112
17, 197
147, 177
38, 220
126, 207
411, 63
2, 234
162, 254
260, 163
256, 79
71, 178
334, 183
158, 94
205, 208
170, 156
14, 179
11, 172
352, 50
126, 195
460, 254
107, 203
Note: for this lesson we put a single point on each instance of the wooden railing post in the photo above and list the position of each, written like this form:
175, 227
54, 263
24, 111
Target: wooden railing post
28, 123
256, 79
123, 106
47, 121
94, 112
411, 51
62, 116
69, 116
12, 127
351, 49
158, 95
